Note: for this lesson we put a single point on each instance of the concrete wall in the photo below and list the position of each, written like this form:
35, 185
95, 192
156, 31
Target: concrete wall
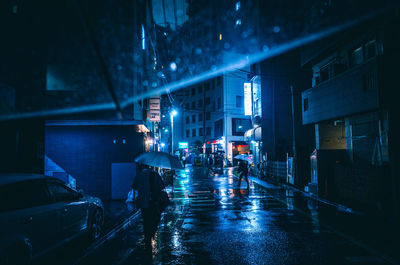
87, 152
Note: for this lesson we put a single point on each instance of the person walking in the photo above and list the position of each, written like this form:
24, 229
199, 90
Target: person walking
149, 185
244, 172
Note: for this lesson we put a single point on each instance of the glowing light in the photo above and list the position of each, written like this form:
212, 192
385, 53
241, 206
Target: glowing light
237, 6
174, 113
143, 38
162, 144
173, 66
247, 99
149, 141
276, 29
220, 36
166, 130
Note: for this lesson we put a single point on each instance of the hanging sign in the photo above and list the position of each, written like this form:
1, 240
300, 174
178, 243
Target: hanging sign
247, 99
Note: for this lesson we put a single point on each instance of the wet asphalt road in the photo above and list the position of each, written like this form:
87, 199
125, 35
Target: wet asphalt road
212, 221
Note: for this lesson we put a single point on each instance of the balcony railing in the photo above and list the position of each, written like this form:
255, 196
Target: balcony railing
353, 91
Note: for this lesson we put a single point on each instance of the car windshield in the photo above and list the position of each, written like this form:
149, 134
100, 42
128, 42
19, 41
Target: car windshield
22, 195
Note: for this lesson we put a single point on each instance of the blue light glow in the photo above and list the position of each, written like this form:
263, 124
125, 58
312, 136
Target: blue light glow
143, 38
239, 62
276, 29
173, 66
237, 6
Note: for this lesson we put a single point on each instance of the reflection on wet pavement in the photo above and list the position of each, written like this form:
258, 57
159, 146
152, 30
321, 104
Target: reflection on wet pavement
211, 221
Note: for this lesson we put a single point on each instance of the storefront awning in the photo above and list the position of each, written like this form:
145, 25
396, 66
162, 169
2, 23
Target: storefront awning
253, 134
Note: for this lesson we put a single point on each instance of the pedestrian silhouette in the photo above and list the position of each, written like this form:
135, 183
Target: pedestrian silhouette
244, 172
149, 185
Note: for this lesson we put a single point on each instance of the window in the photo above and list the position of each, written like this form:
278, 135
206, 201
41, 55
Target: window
240, 126
370, 49
193, 132
208, 132
214, 105
219, 80
193, 118
213, 85
200, 103
324, 73
193, 105
200, 90
187, 106
356, 56
207, 101
239, 102
201, 117
193, 91
187, 133
61, 193
207, 87
305, 104
200, 131
218, 128
187, 119
208, 116
22, 195
186, 92
219, 103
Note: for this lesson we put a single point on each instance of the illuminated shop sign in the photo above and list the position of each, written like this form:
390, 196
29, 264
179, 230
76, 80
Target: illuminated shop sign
183, 145
247, 99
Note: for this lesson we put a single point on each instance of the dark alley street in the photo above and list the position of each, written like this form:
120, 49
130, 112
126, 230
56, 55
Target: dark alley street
199, 132
211, 221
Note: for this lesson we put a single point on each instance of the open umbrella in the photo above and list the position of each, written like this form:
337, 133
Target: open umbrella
159, 159
244, 157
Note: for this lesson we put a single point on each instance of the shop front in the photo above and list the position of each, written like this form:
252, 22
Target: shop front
254, 140
239, 147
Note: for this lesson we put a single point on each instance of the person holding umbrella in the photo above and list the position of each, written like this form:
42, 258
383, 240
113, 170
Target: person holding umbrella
149, 185
151, 199
243, 169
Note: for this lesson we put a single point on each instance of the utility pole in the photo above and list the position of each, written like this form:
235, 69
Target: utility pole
294, 167
204, 118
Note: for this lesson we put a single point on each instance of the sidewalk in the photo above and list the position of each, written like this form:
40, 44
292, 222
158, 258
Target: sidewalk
116, 212
375, 233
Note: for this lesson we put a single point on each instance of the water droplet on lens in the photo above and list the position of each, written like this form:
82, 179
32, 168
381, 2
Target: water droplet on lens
276, 29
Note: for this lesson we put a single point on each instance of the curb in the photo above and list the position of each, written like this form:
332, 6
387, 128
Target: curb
338, 206
110, 234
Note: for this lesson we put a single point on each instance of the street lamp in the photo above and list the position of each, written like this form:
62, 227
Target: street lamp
172, 114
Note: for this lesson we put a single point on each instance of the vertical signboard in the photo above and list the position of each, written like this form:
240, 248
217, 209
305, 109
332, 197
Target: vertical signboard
154, 112
247, 99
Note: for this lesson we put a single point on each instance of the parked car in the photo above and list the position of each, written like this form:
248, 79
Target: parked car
39, 213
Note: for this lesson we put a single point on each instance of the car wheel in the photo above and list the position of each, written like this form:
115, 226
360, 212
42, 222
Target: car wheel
96, 225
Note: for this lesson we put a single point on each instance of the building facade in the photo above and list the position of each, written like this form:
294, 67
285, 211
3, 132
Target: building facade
350, 107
